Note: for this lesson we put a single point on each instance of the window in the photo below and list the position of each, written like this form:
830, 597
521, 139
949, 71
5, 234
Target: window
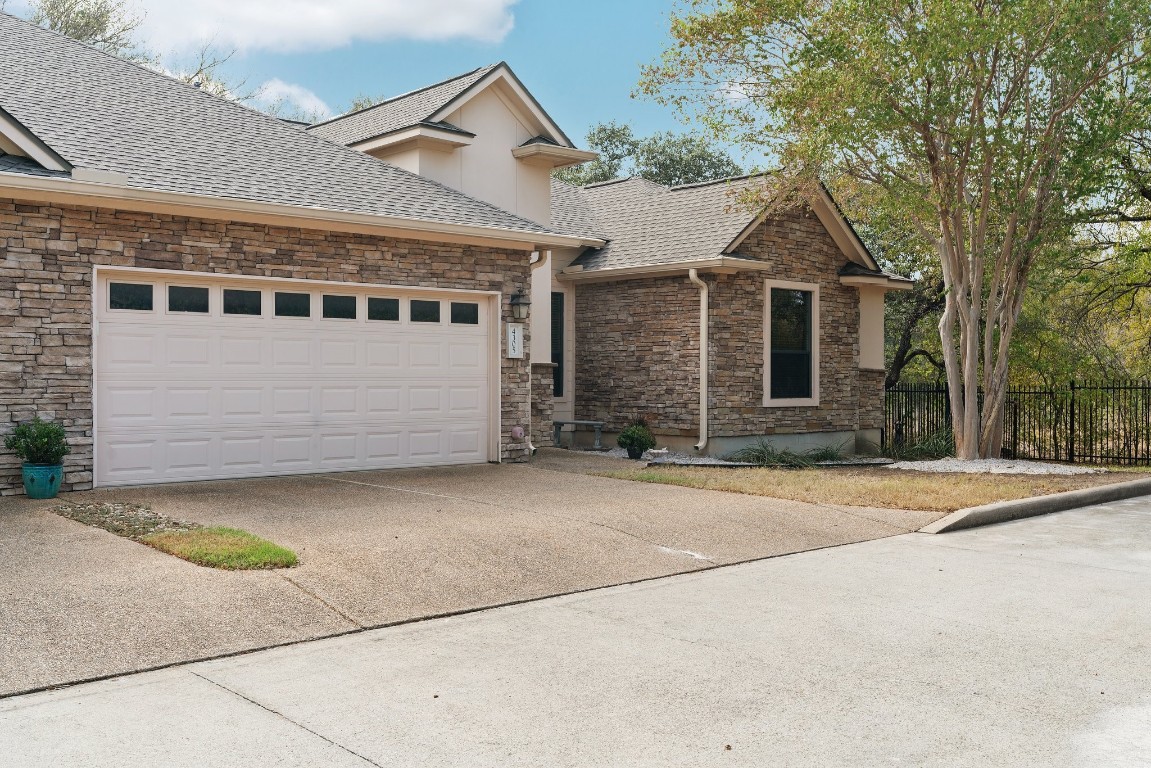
339, 307
558, 343
293, 304
238, 302
424, 311
383, 309
792, 349
182, 298
465, 313
134, 296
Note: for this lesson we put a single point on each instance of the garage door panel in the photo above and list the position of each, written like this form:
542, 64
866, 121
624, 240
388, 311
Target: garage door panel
189, 397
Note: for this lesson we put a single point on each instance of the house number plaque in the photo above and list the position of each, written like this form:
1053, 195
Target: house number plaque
515, 341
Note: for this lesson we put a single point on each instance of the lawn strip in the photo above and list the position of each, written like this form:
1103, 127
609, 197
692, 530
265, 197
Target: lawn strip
871, 486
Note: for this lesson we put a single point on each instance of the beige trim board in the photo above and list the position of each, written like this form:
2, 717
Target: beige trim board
881, 281
16, 139
551, 156
716, 265
67, 191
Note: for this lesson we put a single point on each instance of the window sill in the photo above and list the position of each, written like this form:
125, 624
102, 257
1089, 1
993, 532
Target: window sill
800, 402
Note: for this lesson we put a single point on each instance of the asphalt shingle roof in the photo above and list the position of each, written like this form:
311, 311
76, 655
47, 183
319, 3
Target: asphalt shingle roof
649, 223
404, 111
103, 113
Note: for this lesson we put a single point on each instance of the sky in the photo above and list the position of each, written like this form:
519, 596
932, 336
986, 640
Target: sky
580, 58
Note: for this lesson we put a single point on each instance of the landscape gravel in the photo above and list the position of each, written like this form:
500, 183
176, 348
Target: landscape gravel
995, 467
132, 521
665, 456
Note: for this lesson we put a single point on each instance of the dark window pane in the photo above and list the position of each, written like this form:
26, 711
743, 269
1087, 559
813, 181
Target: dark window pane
340, 307
130, 296
182, 298
465, 313
791, 330
293, 304
383, 309
558, 344
241, 302
425, 311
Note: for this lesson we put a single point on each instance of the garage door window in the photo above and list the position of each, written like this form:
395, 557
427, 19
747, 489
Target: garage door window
293, 304
465, 313
183, 298
425, 311
383, 309
339, 307
242, 302
133, 296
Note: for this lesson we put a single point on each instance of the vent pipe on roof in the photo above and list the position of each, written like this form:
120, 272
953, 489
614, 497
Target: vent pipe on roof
693, 275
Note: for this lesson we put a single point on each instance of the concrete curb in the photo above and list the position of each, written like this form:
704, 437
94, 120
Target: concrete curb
1002, 511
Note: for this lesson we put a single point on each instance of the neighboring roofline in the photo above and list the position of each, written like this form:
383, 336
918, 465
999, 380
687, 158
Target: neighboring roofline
724, 180
502, 70
715, 264
18, 137
46, 189
386, 102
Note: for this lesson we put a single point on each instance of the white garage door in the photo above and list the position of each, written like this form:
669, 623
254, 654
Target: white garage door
200, 377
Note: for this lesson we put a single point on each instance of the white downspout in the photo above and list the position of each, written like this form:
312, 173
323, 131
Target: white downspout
540, 260
693, 275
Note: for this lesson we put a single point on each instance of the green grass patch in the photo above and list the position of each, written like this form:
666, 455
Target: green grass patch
227, 548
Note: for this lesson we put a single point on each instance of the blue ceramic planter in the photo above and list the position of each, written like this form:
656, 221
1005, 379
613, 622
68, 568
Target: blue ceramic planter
42, 481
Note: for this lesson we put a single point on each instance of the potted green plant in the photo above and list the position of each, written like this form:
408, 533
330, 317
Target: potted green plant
636, 438
42, 445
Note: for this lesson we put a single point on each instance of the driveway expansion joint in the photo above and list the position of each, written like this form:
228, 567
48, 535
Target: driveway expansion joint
285, 718
331, 607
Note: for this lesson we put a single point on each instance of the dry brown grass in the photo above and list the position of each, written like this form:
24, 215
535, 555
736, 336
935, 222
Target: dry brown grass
872, 486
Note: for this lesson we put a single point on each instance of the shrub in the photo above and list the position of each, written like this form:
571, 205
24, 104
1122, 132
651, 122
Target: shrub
764, 454
38, 442
937, 445
637, 437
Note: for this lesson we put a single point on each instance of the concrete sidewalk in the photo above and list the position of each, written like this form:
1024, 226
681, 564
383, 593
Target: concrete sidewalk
1019, 644
375, 548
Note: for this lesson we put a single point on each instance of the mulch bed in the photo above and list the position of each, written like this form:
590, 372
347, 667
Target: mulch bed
132, 521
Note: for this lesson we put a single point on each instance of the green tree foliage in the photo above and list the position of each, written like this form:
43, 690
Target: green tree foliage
987, 126
665, 158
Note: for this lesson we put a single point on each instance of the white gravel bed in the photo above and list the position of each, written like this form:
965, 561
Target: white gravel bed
995, 467
665, 456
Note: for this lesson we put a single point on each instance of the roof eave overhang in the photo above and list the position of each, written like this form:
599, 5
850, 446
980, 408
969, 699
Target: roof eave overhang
69, 191
423, 136
886, 282
551, 156
721, 265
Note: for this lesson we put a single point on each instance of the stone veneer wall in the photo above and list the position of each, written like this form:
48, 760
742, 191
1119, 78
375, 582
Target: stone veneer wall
543, 405
800, 250
637, 345
637, 354
47, 253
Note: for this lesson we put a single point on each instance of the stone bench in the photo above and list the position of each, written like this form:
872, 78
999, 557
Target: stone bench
558, 425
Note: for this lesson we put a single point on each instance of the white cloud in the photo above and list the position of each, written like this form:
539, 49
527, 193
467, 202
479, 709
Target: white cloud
298, 25
289, 99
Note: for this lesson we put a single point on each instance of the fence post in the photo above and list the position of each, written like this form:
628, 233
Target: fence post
1071, 432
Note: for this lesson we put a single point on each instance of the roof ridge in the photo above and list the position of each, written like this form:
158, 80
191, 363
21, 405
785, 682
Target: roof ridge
633, 177
723, 180
393, 99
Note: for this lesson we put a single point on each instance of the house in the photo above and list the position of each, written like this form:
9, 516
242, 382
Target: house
197, 290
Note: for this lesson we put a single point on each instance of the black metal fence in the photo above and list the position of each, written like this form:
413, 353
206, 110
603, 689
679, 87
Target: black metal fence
1090, 423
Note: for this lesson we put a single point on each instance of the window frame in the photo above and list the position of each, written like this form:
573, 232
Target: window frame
791, 402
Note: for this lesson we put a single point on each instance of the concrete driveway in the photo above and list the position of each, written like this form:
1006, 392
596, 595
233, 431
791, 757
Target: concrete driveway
375, 548
1023, 644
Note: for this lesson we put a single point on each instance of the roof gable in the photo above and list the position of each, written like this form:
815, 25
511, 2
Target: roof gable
434, 104
113, 119
649, 224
